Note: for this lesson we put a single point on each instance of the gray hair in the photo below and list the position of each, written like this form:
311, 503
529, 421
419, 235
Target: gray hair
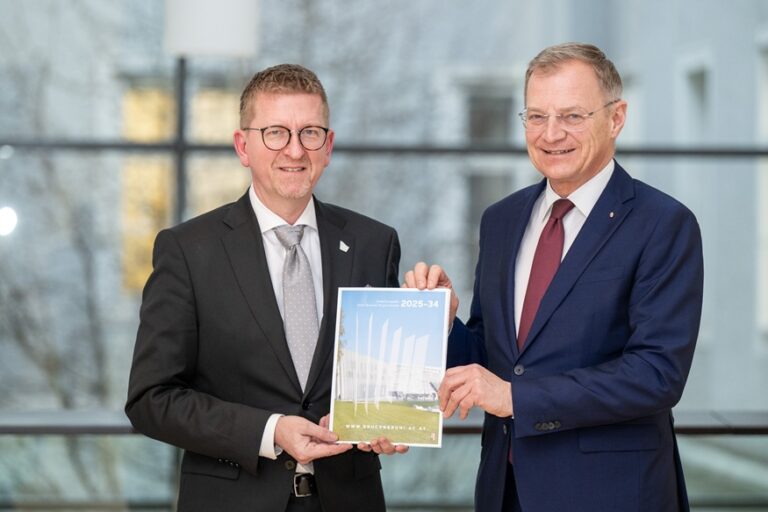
554, 56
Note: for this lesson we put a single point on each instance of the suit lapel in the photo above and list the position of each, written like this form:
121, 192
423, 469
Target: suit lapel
337, 249
516, 225
245, 249
609, 212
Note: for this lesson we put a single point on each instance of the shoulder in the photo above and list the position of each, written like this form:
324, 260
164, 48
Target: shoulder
653, 203
515, 204
644, 199
211, 225
206, 221
351, 220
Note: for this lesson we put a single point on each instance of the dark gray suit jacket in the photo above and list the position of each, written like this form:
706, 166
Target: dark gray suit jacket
211, 362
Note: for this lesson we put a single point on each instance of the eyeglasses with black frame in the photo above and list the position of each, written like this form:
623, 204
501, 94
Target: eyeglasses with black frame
277, 137
573, 119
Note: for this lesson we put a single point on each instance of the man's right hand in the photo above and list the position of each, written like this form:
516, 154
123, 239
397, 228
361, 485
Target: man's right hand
306, 441
428, 277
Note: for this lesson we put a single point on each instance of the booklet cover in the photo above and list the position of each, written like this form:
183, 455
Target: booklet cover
389, 359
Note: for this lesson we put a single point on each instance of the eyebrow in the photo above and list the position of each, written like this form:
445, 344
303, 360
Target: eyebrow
563, 109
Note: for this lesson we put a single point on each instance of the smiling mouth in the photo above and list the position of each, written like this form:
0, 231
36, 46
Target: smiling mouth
558, 151
292, 169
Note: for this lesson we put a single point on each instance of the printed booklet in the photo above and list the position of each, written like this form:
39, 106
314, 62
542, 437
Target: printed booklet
389, 360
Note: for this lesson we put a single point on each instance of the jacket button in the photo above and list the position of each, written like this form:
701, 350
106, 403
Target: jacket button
306, 404
557, 424
538, 427
290, 465
519, 369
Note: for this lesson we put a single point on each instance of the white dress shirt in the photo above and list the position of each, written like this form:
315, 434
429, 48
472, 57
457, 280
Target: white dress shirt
583, 198
275, 253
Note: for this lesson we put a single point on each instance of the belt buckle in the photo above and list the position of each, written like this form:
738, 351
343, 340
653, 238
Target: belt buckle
302, 486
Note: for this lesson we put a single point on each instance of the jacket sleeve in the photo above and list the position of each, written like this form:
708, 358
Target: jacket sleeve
162, 403
466, 342
393, 261
647, 376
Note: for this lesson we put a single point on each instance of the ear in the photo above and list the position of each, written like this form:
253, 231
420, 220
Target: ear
618, 118
239, 139
329, 145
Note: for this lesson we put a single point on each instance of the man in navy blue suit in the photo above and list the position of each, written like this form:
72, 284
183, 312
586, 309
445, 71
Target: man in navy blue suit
577, 370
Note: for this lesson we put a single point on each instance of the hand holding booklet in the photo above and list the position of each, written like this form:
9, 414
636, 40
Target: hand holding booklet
389, 359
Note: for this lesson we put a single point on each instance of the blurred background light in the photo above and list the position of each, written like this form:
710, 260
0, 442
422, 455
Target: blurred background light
8, 220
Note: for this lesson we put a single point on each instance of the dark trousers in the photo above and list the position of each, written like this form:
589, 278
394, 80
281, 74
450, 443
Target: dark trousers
308, 504
511, 502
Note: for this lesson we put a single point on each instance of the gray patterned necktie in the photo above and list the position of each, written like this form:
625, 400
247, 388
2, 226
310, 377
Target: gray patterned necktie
299, 305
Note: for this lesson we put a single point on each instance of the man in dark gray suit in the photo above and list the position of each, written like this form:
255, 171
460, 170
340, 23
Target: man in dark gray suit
215, 369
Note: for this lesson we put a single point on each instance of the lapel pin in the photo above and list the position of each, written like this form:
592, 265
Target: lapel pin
343, 247
611, 215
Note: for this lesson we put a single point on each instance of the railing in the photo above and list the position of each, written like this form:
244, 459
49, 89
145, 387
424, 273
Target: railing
107, 422
73, 423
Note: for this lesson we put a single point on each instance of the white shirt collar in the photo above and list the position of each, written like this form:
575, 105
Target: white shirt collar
269, 220
583, 198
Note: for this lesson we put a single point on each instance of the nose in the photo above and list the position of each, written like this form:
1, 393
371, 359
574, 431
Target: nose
554, 129
294, 149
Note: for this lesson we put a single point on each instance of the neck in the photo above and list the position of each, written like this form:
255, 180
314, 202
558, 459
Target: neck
290, 213
287, 209
566, 188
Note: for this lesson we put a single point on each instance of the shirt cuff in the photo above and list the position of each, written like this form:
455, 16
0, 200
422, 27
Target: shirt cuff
268, 448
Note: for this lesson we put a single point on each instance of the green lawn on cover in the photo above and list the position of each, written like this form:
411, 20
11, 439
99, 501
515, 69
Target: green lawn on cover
399, 422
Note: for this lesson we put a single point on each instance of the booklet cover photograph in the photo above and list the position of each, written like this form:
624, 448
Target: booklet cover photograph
389, 360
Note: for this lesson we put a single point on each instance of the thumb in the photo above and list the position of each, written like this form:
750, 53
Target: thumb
321, 433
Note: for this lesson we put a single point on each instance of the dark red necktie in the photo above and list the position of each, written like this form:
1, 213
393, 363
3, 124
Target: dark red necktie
547, 258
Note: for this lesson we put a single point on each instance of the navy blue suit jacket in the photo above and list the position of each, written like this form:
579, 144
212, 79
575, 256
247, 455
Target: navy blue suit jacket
607, 356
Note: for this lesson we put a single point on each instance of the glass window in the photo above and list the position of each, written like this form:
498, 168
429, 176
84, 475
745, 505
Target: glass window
490, 118
79, 473
147, 193
88, 165
214, 180
71, 272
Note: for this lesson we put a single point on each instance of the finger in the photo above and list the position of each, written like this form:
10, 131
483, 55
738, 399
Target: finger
401, 448
410, 280
436, 277
457, 396
442, 398
454, 306
325, 421
319, 451
375, 447
420, 271
453, 378
383, 446
465, 405
444, 394
365, 447
319, 434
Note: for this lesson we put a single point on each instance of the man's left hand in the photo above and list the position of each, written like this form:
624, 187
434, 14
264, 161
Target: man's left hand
382, 445
464, 387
